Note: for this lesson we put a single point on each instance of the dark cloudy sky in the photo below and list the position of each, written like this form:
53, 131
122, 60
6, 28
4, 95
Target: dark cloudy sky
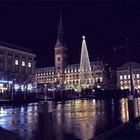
105, 24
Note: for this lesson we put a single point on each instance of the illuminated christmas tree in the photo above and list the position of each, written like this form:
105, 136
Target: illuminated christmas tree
85, 69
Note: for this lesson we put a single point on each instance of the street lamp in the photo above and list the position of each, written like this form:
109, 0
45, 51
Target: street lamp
131, 82
24, 90
45, 92
12, 96
131, 107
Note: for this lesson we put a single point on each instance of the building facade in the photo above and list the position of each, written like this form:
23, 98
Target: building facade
68, 76
72, 75
17, 65
60, 55
123, 76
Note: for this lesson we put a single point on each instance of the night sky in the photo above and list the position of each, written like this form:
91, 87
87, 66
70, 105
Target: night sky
106, 25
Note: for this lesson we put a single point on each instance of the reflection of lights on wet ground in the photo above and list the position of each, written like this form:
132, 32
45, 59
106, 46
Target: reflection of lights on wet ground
29, 109
22, 109
124, 110
137, 107
19, 120
59, 106
93, 101
80, 119
2, 112
6, 119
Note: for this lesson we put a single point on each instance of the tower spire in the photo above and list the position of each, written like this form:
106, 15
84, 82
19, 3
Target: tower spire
60, 54
60, 30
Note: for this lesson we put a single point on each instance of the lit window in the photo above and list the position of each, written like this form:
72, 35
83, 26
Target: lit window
96, 79
125, 82
125, 77
29, 65
58, 58
121, 77
23, 63
121, 83
128, 76
101, 79
138, 76
16, 62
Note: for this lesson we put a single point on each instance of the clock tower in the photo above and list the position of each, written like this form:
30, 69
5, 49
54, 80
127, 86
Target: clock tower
60, 55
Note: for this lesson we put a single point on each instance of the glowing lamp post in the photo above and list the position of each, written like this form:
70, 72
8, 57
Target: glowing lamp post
45, 92
24, 91
12, 96
131, 107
